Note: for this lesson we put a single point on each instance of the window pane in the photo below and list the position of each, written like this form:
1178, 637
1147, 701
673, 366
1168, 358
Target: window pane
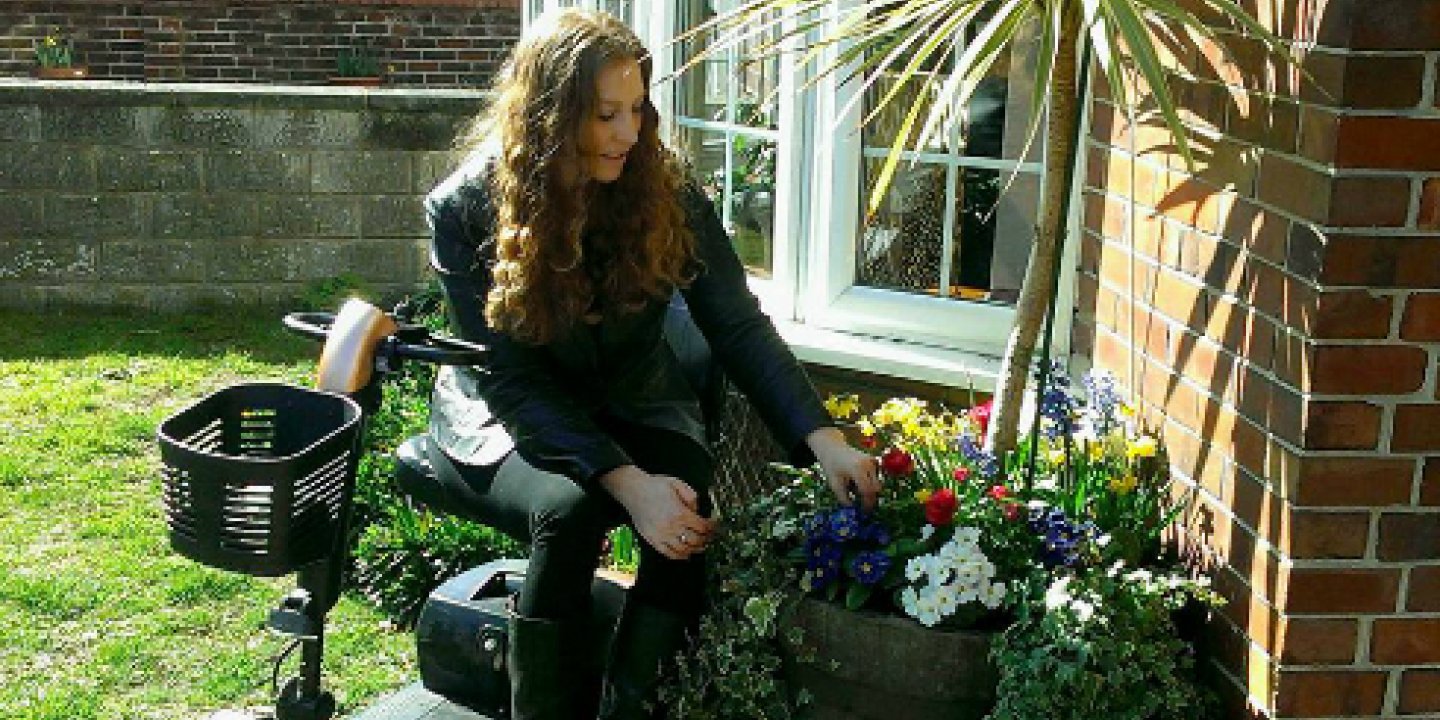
991, 232
738, 173
730, 86
903, 247
978, 130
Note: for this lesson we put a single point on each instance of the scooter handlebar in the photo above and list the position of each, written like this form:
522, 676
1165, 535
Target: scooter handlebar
414, 342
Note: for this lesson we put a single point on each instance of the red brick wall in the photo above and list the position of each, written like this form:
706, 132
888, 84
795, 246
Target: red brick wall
434, 43
1277, 310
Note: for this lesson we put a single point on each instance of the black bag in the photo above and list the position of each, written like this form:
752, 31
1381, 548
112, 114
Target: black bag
462, 635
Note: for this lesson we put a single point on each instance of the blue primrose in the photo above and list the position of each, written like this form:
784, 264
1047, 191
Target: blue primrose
844, 524
816, 526
821, 553
819, 578
869, 568
875, 532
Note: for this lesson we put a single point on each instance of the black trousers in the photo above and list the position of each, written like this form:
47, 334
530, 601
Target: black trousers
565, 525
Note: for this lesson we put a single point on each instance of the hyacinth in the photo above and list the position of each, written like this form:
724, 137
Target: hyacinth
1102, 410
984, 461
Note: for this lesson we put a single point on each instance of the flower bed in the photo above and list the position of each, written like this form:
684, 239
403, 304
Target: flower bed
1056, 548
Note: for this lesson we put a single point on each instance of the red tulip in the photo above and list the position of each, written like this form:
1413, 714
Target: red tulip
981, 415
999, 492
940, 508
961, 474
867, 441
1012, 512
897, 462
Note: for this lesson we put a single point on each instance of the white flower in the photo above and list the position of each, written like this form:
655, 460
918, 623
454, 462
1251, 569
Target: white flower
927, 532
1058, 594
910, 602
1140, 576
1083, 610
916, 567
967, 536
992, 595
947, 600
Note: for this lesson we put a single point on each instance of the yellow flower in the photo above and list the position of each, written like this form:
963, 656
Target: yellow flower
867, 428
1056, 456
1142, 447
1095, 449
1127, 410
899, 411
1123, 484
922, 496
842, 407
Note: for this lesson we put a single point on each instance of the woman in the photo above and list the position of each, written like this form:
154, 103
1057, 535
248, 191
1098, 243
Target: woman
559, 244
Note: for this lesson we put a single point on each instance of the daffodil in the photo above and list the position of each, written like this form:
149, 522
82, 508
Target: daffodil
1142, 447
1056, 456
842, 407
1123, 484
922, 496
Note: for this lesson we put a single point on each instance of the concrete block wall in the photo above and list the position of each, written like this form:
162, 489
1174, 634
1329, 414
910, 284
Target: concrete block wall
430, 43
169, 196
1274, 309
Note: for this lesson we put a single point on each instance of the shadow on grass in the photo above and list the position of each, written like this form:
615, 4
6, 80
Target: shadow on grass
72, 334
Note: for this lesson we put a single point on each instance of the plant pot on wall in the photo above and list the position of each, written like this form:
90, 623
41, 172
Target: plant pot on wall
357, 81
73, 72
861, 665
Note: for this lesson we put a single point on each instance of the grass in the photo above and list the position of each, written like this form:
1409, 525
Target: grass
102, 619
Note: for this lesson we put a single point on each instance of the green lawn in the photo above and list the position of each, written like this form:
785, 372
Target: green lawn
101, 619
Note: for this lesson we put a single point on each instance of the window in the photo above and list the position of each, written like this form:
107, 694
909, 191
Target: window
926, 288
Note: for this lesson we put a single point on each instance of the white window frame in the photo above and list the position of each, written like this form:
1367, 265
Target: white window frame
811, 294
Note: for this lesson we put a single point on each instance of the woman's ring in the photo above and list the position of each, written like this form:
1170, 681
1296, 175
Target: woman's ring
685, 538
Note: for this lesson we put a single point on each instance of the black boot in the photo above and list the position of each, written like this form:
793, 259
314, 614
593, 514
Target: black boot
645, 638
539, 688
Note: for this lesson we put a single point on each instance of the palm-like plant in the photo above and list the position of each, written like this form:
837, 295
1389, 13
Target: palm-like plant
899, 39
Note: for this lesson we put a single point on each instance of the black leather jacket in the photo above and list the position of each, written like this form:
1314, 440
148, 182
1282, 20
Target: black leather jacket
546, 400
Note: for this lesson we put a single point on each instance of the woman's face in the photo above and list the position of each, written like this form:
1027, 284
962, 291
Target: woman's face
614, 124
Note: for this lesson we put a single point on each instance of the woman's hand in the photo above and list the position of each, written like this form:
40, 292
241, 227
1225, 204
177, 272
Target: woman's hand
663, 509
846, 469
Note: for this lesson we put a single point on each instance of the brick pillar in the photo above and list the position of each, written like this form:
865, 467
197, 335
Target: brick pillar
1276, 312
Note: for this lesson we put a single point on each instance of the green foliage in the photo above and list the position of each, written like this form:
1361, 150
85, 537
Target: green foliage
1101, 644
405, 553
733, 669
357, 62
329, 294
622, 552
55, 50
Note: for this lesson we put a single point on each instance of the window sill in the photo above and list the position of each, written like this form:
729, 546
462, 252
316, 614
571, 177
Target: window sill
939, 366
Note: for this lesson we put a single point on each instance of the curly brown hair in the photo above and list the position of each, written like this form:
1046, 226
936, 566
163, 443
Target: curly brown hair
641, 246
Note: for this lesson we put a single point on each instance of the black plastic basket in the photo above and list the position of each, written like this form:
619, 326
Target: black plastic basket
259, 476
